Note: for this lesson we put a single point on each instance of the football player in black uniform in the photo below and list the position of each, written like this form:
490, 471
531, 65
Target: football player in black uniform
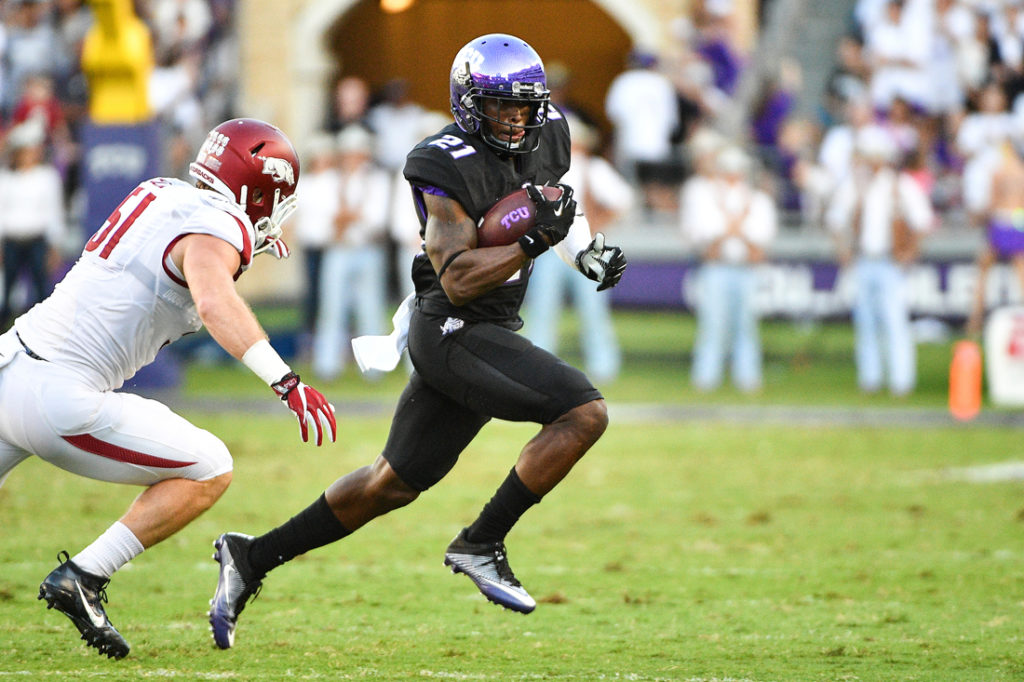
470, 365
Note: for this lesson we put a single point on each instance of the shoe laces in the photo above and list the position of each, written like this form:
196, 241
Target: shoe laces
500, 562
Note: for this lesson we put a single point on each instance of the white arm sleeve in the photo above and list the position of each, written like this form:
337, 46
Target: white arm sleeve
578, 239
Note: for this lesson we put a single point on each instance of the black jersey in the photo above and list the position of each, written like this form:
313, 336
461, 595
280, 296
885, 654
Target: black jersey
464, 168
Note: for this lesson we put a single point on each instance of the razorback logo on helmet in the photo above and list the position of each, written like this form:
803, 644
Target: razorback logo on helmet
279, 170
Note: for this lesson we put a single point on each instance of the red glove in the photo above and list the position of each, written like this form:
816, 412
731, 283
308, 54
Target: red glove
309, 405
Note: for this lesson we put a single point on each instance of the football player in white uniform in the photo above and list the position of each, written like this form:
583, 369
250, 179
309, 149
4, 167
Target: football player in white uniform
162, 265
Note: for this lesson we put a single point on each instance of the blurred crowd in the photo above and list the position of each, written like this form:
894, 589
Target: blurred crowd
192, 86
44, 103
922, 112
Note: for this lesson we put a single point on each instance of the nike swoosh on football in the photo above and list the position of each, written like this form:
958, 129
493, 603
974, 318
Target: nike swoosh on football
94, 615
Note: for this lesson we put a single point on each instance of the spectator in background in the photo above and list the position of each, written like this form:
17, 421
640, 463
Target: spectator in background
898, 49
1005, 229
180, 25
217, 81
404, 226
820, 178
33, 47
877, 217
782, 140
715, 43
313, 225
732, 224
604, 196
39, 101
979, 140
776, 104
353, 276
350, 104
395, 122
72, 21
31, 217
174, 98
697, 99
641, 104
560, 87
952, 39
848, 81
701, 151
4, 79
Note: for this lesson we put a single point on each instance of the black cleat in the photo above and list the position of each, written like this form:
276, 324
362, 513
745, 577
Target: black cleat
80, 596
486, 564
237, 582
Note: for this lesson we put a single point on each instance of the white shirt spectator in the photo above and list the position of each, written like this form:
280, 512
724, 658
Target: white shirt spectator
711, 204
181, 22
978, 139
172, 94
396, 129
642, 106
318, 202
954, 29
32, 204
899, 52
366, 192
875, 201
586, 172
1008, 31
836, 152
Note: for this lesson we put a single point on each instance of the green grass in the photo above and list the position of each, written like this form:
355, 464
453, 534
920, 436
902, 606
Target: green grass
674, 551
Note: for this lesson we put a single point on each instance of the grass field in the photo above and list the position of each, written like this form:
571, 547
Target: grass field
675, 551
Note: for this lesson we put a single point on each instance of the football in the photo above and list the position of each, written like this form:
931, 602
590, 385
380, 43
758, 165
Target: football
510, 218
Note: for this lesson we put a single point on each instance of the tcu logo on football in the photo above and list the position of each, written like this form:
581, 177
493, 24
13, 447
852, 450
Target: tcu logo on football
279, 170
514, 216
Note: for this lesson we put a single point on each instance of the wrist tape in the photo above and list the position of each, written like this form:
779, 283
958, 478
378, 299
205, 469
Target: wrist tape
264, 361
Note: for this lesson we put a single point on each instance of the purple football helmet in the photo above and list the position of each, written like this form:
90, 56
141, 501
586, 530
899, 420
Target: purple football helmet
505, 68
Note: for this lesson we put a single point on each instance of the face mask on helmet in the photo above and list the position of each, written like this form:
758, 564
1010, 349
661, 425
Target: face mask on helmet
253, 164
498, 91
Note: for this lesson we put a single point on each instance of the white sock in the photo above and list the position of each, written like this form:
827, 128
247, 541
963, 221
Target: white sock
109, 552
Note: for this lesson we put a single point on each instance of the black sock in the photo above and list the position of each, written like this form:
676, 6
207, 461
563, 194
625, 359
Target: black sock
501, 513
314, 526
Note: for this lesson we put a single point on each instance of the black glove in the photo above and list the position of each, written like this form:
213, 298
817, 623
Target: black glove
553, 219
603, 264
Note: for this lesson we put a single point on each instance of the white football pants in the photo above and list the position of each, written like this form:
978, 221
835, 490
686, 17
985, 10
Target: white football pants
51, 412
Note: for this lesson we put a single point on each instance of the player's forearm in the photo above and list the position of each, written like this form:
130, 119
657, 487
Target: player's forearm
475, 272
231, 323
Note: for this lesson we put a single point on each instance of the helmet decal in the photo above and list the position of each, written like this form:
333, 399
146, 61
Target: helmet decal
279, 170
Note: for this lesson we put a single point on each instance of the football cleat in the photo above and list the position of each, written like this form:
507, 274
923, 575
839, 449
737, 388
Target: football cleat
236, 584
486, 564
80, 596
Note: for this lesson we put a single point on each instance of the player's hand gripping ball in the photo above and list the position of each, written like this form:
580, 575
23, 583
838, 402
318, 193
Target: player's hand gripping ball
515, 215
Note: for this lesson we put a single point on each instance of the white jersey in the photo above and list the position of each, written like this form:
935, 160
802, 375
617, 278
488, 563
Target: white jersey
124, 299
